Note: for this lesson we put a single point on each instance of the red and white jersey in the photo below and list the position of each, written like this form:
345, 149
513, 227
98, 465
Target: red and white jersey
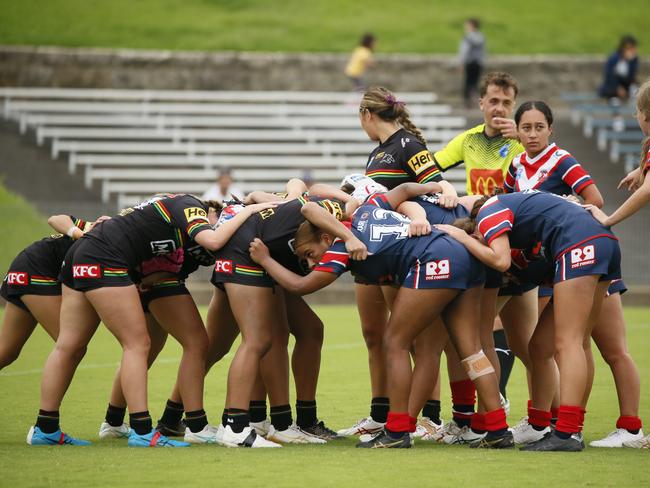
646, 168
553, 170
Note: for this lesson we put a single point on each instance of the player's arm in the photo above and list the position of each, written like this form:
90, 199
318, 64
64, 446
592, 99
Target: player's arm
591, 196
295, 188
63, 224
633, 204
328, 191
325, 221
214, 239
496, 255
419, 226
406, 191
290, 281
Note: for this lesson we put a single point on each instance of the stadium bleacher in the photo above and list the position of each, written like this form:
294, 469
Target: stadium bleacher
612, 123
139, 142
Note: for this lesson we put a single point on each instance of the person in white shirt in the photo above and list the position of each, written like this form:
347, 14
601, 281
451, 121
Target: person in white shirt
223, 188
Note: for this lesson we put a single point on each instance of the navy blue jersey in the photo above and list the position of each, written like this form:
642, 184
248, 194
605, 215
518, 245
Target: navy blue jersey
553, 170
391, 253
539, 223
437, 214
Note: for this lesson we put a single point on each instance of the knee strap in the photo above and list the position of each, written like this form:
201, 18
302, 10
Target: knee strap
477, 365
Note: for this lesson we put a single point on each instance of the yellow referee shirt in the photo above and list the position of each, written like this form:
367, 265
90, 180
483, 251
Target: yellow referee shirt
486, 158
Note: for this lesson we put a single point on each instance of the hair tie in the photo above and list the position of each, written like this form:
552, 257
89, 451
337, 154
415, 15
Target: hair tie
391, 100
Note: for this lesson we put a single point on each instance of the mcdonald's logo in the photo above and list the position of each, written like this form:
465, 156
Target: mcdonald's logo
484, 181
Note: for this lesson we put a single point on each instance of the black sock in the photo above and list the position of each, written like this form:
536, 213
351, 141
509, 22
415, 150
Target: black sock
224, 417
306, 413
257, 410
562, 435
395, 435
506, 358
379, 407
140, 422
281, 417
115, 415
432, 410
47, 421
237, 419
173, 414
196, 420
462, 414
493, 434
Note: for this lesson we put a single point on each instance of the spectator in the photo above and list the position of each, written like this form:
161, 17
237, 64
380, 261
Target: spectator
360, 61
222, 189
620, 70
472, 57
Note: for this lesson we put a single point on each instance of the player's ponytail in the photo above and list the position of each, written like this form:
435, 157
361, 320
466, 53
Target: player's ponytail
382, 102
468, 224
214, 204
643, 107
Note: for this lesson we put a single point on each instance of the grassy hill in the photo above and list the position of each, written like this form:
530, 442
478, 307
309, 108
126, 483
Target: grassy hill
421, 26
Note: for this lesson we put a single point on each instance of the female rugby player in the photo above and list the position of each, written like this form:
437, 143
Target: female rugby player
586, 256
428, 289
401, 156
96, 284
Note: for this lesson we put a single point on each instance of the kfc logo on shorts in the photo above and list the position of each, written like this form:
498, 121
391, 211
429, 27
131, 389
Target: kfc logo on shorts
223, 266
583, 256
437, 270
86, 271
17, 278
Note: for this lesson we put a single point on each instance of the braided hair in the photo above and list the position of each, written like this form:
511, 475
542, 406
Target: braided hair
381, 101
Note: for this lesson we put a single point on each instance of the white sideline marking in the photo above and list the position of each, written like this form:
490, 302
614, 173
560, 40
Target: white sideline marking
27, 372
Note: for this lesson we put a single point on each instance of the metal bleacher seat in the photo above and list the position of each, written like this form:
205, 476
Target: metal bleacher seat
134, 143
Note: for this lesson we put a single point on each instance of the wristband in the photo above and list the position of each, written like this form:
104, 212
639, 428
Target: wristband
71, 230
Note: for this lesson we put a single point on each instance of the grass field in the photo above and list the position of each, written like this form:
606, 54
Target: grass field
422, 26
343, 397
27, 225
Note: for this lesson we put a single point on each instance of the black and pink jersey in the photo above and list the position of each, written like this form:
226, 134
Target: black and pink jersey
154, 228
540, 224
554, 170
402, 158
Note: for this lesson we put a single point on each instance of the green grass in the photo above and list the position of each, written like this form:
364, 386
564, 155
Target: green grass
423, 26
343, 397
27, 226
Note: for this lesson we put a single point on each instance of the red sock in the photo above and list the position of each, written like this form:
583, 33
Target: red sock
399, 422
463, 398
538, 418
629, 422
495, 420
570, 419
478, 423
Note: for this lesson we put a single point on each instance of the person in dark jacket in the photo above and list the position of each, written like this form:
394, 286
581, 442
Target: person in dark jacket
620, 70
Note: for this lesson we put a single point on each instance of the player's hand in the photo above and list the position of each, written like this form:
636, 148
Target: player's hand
571, 198
631, 181
419, 228
446, 200
455, 232
507, 127
99, 220
258, 251
356, 249
598, 214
